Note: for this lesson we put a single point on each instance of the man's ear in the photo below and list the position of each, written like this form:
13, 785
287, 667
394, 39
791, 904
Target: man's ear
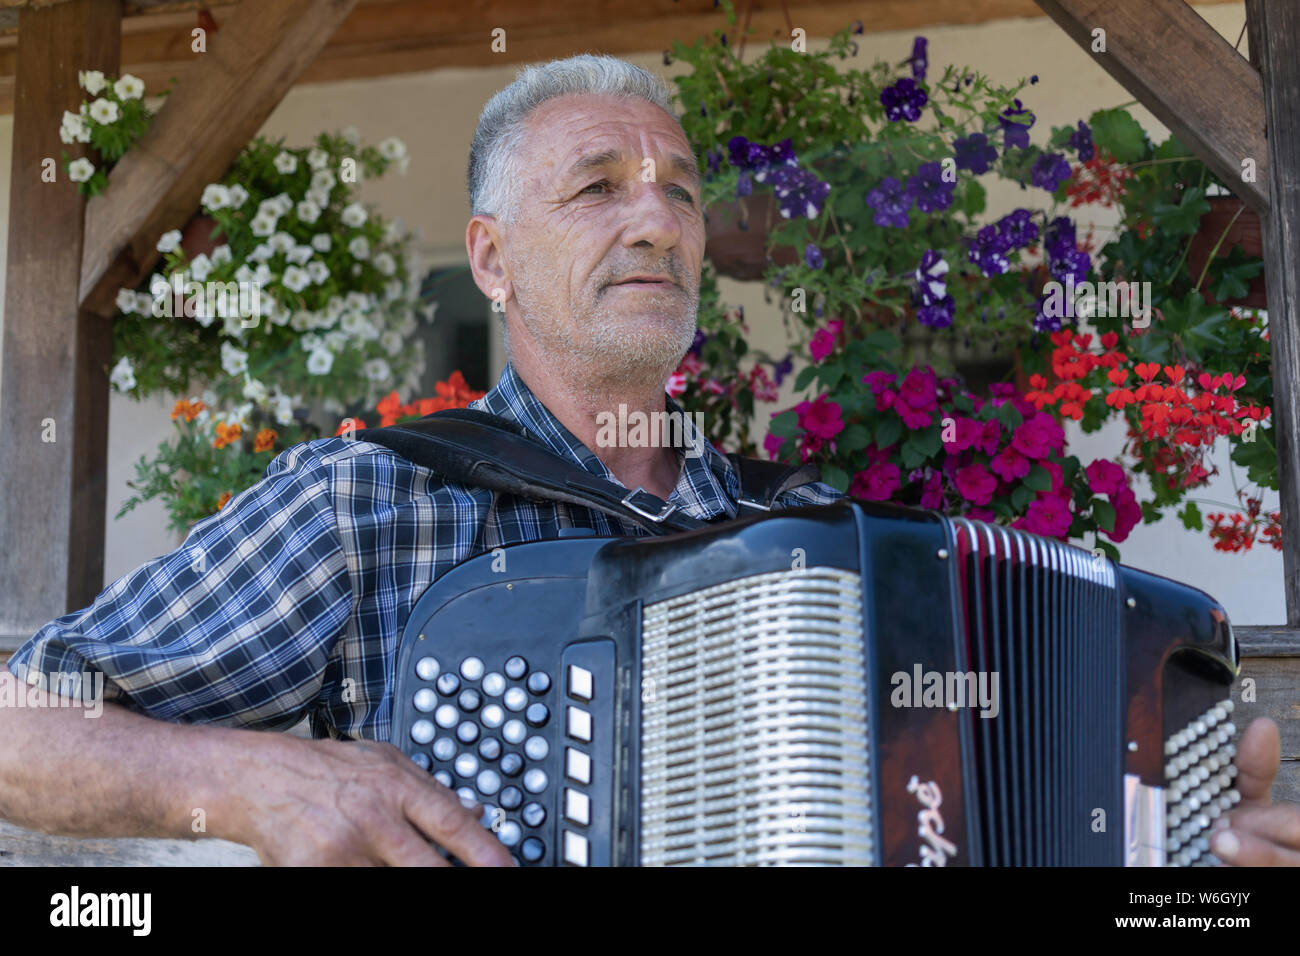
486, 262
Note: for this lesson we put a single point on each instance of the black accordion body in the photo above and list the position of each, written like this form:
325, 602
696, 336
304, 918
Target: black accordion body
841, 684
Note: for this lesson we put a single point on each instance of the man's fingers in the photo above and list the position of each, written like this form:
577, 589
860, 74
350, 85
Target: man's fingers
1259, 753
399, 844
1260, 836
438, 813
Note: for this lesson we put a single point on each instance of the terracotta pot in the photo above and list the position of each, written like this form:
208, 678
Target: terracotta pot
736, 234
196, 237
1243, 228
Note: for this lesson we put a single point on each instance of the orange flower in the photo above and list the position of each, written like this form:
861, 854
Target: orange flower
221, 502
265, 440
356, 423
187, 408
227, 434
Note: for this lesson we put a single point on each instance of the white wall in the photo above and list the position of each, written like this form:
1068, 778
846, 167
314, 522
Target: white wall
435, 114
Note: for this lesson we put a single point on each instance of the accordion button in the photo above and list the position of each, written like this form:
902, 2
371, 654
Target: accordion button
511, 797
427, 668
467, 798
577, 765
422, 731
578, 723
577, 806
466, 765
510, 833
514, 731
421, 760
493, 716
467, 732
515, 699
444, 778
489, 748
469, 700
516, 668
535, 780
446, 716
532, 850
512, 765
536, 748
494, 685
444, 748
539, 682
471, 668
581, 683
575, 848
488, 782
448, 684
534, 814
425, 700
537, 714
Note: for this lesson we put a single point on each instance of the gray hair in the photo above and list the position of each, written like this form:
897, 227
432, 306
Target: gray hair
494, 154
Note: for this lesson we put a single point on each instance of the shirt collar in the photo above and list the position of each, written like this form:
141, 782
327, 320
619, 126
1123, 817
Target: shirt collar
707, 486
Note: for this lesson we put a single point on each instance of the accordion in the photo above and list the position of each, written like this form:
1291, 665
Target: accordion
840, 684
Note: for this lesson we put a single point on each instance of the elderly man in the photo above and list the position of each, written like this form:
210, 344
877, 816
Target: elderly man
308, 577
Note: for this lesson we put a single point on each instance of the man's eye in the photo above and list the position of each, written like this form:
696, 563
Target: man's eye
604, 183
684, 194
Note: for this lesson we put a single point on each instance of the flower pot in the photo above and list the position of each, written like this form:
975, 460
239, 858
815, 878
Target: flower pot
1242, 226
736, 235
196, 237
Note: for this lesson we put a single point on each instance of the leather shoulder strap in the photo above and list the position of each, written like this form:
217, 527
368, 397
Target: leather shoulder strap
762, 482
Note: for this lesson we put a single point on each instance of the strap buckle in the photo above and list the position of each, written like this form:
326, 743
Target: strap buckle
746, 503
627, 502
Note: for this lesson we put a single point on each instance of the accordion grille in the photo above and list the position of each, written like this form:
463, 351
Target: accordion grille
754, 745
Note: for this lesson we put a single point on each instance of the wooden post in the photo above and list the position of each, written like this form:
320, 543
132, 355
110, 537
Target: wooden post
1275, 27
54, 361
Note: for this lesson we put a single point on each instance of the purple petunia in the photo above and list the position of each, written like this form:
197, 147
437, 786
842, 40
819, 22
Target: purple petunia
799, 192
930, 276
744, 184
1064, 258
1019, 228
891, 203
757, 158
938, 314
698, 343
783, 368
928, 189
1049, 171
974, 152
918, 59
1081, 142
813, 256
989, 249
1014, 132
903, 100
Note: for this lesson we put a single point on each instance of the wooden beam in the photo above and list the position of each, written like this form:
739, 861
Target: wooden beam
1278, 27
250, 64
54, 359
1185, 73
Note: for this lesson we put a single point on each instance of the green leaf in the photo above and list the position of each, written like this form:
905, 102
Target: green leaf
1103, 512
786, 424
835, 477
1106, 548
974, 198
1191, 517
888, 431
805, 377
1021, 497
1009, 416
853, 438
1119, 134
1038, 479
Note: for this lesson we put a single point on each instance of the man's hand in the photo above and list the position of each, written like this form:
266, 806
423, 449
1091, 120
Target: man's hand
1258, 832
359, 803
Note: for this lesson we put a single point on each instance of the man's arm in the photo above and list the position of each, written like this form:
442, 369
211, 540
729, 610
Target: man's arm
294, 801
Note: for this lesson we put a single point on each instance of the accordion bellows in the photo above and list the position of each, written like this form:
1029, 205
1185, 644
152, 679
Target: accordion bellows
834, 685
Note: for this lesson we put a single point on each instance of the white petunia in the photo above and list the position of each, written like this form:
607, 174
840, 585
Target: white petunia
311, 342
392, 342
126, 300
359, 247
334, 307
262, 226
392, 289
406, 326
323, 180
281, 242
261, 252
300, 255
392, 148
308, 211
123, 376
255, 390
279, 313
318, 271
169, 240
72, 128
336, 341
263, 275
296, 279
215, 196
320, 197
286, 163
317, 158
300, 321
80, 170
221, 255
377, 370
238, 196
359, 301
92, 81
354, 214
283, 202
352, 135
385, 263
283, 410
201, 267
129, 87
233, 360
395, 230
320, 362
321, 242
244, 274
144, 303
269, 208
104, 111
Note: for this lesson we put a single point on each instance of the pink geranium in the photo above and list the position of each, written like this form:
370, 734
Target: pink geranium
876, 483
1106, 477
772, 445
932, 492
1127, 514
1038, 436
1048, 515
918, 390
975, 484
981, 514
990, 438
967, 432
823, 343
820, 418
1009, 464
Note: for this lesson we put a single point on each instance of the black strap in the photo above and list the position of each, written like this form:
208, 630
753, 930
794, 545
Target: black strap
477, 448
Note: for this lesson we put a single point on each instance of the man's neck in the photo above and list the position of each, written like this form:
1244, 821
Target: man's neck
577, 405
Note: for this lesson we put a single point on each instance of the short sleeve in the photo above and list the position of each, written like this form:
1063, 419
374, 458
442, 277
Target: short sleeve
234, 627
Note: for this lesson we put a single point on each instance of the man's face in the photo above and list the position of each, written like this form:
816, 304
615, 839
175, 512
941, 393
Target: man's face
605, 253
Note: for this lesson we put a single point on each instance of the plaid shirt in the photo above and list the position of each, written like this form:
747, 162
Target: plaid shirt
290, 601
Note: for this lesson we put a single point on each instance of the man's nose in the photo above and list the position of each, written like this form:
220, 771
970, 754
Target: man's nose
651, 217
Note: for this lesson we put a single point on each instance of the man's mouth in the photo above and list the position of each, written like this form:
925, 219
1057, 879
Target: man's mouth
647, 281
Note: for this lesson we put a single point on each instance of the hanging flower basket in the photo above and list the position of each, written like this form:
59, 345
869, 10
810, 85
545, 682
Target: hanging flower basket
736, 236
1230, 222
